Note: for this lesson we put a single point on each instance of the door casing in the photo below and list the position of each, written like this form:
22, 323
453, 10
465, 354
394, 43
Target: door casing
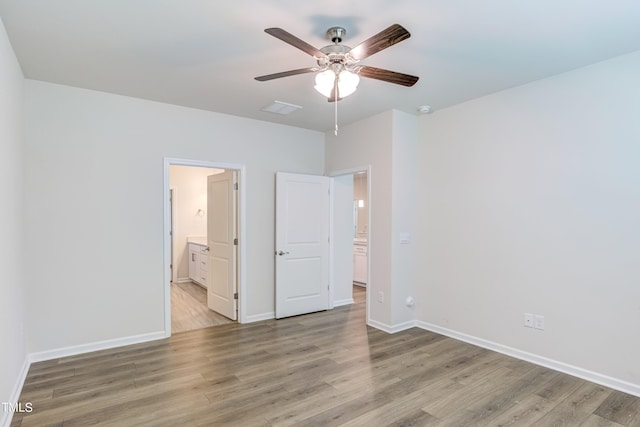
242, 284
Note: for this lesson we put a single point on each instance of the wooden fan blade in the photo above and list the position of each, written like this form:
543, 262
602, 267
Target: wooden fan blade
286, 37
286, 74
388, 76
384, 39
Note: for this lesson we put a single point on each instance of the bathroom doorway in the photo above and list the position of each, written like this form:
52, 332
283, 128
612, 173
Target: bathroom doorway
351, 236
190, 287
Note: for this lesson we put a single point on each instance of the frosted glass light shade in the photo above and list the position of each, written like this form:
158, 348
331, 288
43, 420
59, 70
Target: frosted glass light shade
324, 82
347, 83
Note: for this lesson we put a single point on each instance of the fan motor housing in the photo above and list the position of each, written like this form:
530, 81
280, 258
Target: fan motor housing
336, 53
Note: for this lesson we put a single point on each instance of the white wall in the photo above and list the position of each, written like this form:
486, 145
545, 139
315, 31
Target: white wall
92, 157
364, 143
12, 280
529, 201
386, 142
404, 165
190, 184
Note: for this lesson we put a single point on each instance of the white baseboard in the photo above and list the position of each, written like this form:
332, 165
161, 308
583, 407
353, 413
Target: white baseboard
7, 417
183, 280
94, 346
392, 329
260, 317
575, 371
342, 302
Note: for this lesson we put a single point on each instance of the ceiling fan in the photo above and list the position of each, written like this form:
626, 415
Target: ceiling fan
339, 65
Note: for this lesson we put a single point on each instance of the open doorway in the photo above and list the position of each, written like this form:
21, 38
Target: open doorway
361, 228
360, 236
351, 236
192, 269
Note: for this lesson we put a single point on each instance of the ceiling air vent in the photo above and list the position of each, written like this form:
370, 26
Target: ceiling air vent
279, 107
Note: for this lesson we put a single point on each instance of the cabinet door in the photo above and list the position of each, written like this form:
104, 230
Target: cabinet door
359, 268
194, 261
360, 263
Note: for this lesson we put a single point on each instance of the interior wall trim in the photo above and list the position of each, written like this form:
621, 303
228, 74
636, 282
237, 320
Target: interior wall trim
392, 329
259, 317
94, 346
5, 416
576, 371
341, 302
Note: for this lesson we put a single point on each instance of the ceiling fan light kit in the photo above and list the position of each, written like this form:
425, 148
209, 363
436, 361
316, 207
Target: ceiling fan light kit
347, 82
339, 69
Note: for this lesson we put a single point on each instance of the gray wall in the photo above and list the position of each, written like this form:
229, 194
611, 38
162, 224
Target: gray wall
12, 314
95, 206
529, 201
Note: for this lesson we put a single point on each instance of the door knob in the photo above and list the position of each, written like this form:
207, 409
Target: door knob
280, 253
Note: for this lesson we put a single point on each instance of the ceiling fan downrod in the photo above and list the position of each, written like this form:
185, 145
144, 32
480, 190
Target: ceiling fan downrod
336, 34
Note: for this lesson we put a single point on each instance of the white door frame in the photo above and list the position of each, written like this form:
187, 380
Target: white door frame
173, 207
242, 247
370, 279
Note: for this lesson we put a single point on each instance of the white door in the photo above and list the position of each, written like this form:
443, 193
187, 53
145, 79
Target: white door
342, 239
302, 244
221, 233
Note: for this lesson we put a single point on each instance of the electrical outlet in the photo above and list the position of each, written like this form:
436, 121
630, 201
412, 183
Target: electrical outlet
538, 322
380, 296
528, 320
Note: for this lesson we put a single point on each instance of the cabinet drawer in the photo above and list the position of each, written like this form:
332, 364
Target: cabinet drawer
203, 250
203, 263
197, 247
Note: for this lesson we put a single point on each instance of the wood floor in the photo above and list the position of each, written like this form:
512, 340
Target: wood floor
189, 309
321, 369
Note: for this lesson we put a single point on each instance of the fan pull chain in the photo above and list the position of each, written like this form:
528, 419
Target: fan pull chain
335, 102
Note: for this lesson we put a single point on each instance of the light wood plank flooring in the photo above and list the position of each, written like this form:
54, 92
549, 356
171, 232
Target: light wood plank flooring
189, 309
321, 369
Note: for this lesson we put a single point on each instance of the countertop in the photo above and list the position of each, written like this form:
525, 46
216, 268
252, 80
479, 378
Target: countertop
197, 240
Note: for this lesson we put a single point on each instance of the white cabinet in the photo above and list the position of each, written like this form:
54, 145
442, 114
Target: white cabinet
198, 263
360, 264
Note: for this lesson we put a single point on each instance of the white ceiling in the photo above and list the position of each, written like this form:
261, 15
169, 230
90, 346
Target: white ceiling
205, 54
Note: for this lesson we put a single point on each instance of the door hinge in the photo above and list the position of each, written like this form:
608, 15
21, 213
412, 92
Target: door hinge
235, 296
235, 241
235, 185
